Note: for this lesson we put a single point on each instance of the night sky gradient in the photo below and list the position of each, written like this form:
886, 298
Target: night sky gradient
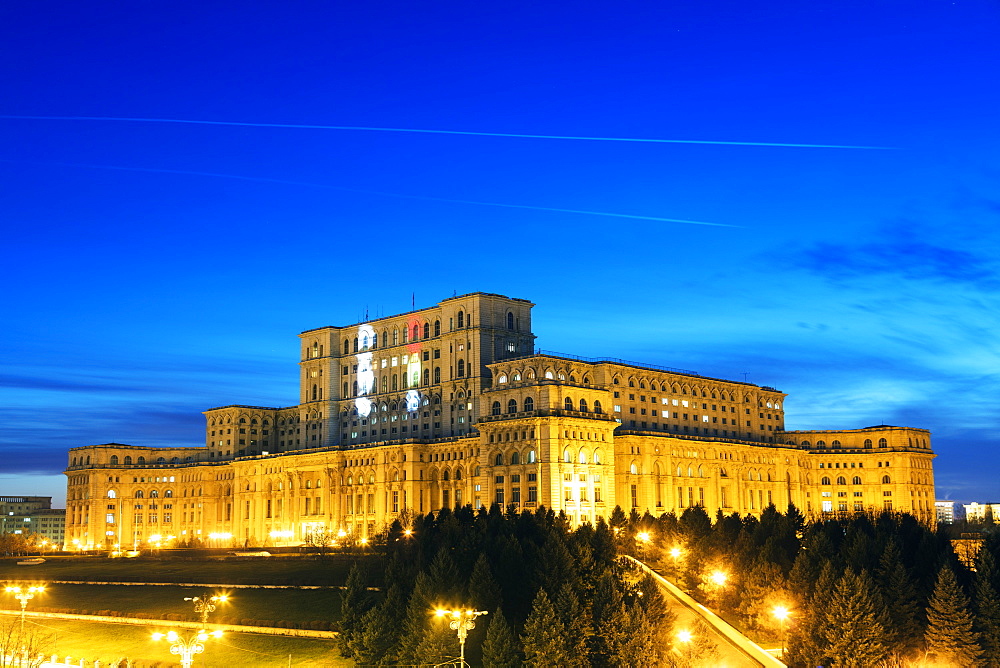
152, 270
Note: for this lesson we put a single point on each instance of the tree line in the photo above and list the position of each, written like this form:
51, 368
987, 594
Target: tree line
863, 590
555, 595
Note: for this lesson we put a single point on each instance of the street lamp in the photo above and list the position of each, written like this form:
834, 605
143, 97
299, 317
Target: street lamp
781, 613
24, 594
462, 621
718, 578
203, 606
186, 648
685, 638
643, 538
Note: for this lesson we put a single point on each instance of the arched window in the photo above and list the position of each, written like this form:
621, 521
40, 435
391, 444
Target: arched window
597, 406
114, 460
532, 458
427, 330
512, 406
835, 444
805, 443
461, 319
458, 474
496, 408
633, 469
597, 456
821, 443
446, 475
567, 458
112, 494
568, 403
510, 321
141, 460
498, 460
347, 347
583, 405
169, 494
824, 481
128, 460
395, 337
882, 443
427, 376
415, 334
868, 442
515, 458
856, 480
437, 375
355, 344
885, 480
841, 480
138, 494
461, 368
501, 379
315, 390
153, 494
529, 404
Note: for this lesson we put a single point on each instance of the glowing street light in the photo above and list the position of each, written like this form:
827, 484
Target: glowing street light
718, 578
675, 552
685, 638
462, 621
24, 594
203, 606
781, 613
186, 648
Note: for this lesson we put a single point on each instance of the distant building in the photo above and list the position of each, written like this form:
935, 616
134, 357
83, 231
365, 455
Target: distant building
33, 515
453, 405
945, 511
982, 512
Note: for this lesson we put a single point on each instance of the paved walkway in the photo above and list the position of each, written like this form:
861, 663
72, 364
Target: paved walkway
735, 649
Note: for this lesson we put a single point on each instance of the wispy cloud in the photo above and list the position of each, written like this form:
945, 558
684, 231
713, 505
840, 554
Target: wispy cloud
362, 128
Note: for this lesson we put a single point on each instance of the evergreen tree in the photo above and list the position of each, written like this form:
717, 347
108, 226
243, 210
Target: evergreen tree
950, 635
484, 591
415, 623
854, 636
987, 605
500, 647
378, 632
903, 628
543, 639
576, 621
353, 606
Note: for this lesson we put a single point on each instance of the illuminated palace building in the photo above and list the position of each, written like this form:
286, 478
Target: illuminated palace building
452, 405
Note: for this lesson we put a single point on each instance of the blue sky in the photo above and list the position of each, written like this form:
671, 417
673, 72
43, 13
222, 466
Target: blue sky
156, 269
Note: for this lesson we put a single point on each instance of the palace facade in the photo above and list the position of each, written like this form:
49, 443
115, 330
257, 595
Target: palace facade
453, 405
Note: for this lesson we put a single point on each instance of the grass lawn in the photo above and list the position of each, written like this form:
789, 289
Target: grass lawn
277, 570
109, 642
293, 605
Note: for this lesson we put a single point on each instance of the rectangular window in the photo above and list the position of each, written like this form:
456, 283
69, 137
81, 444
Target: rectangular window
635, 495
532, 494
515, 495
499, 497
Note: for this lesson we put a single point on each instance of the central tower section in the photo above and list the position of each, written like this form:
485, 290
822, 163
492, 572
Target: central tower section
416, 375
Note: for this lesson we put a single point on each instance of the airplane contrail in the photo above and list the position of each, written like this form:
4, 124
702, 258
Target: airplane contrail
438, 132
387, 194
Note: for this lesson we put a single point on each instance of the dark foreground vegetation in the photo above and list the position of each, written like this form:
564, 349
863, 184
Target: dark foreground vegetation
865, 590
555, 596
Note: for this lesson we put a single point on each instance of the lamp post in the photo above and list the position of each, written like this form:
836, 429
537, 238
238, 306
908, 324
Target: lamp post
205, 605
781, 613
685, 639
462, 621
24, 594
186, 648
643, 538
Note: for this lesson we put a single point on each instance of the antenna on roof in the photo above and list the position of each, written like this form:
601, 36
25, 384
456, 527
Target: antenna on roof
413, 301
745, 373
